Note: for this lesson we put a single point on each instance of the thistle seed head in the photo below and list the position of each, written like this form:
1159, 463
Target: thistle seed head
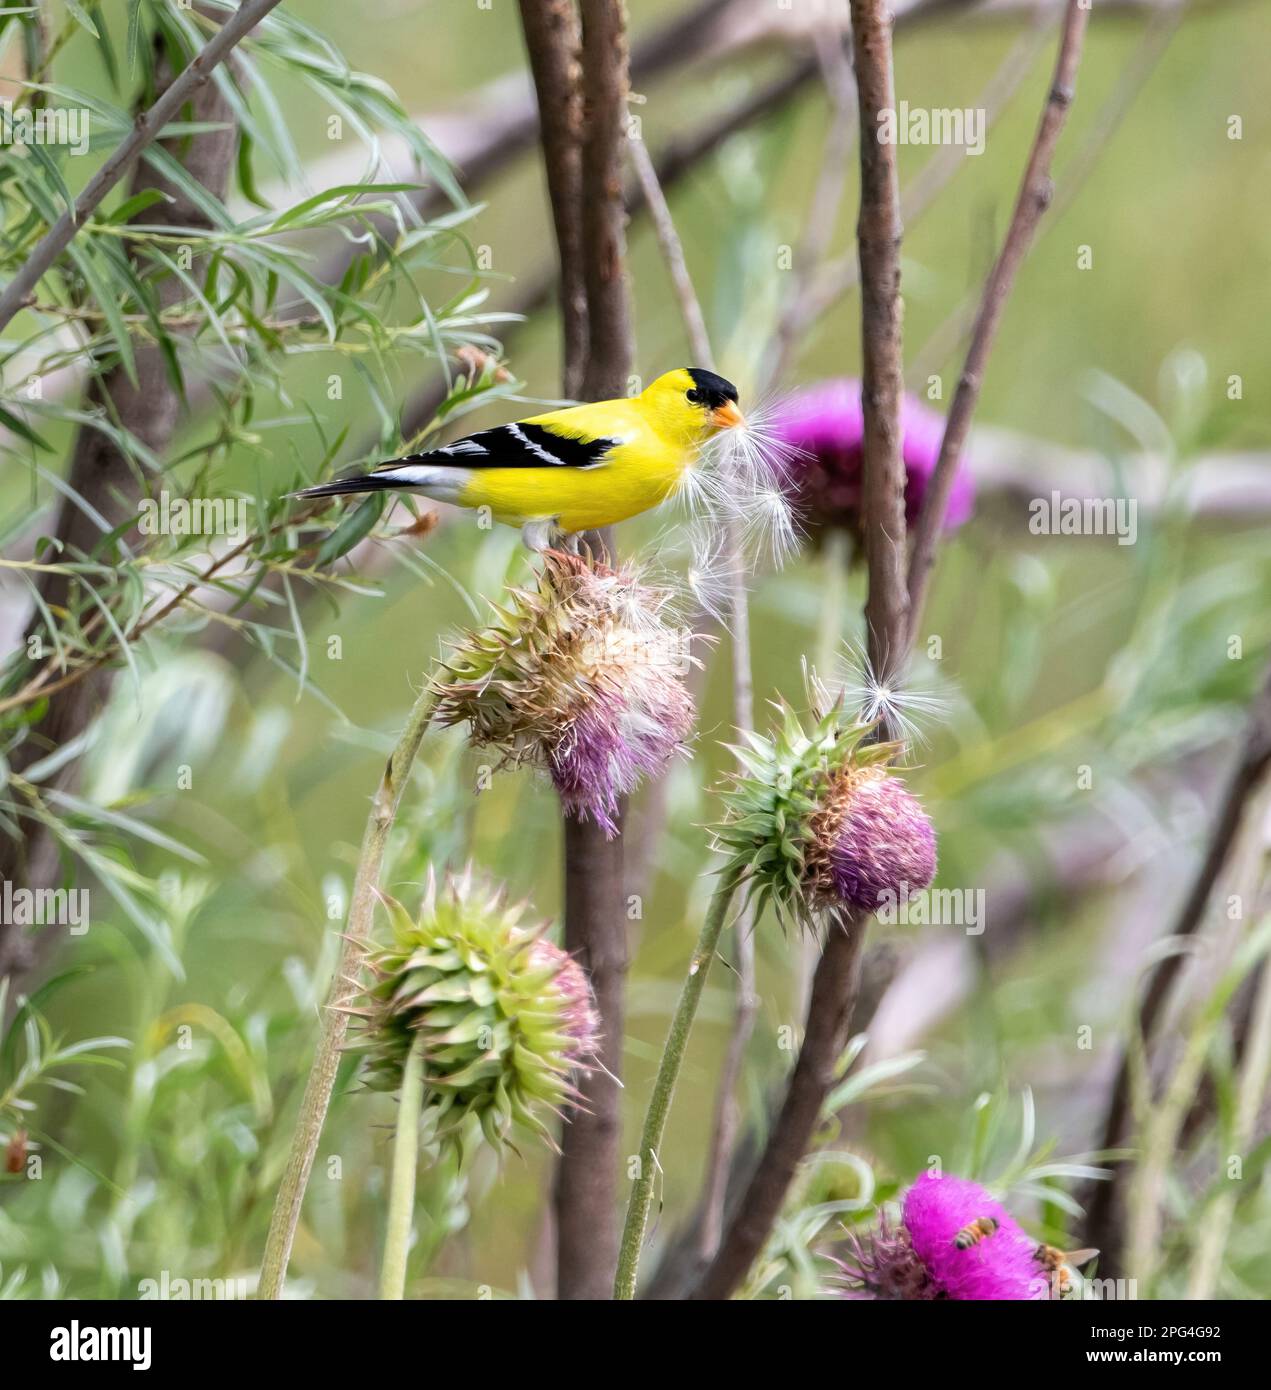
582, 675
815, 820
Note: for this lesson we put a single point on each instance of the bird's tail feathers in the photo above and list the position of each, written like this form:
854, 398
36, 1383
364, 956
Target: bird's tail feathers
409, 473
339, 487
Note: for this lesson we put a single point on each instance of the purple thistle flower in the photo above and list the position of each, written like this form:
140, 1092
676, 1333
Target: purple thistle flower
826, 426
1000, 1265
884, 1266
874, 841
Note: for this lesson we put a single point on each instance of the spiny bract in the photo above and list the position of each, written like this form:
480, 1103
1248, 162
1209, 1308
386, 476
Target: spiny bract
506, 1017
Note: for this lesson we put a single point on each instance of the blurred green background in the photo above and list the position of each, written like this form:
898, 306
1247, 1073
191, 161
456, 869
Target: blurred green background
1056, 653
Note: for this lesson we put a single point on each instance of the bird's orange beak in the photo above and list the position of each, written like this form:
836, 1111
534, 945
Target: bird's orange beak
727, 416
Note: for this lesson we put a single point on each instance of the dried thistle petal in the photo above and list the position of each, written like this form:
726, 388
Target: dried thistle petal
581, 676
882, 1265
871, 841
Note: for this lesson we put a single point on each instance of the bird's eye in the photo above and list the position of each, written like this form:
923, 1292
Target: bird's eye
695, 396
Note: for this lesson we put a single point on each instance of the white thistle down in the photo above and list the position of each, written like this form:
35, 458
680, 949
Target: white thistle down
907, 711
739, 486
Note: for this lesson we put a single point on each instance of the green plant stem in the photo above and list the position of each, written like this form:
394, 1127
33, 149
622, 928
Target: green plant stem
835, 580
664, 1087
401, 1192
344, 986
1162, 1123
1215, 1228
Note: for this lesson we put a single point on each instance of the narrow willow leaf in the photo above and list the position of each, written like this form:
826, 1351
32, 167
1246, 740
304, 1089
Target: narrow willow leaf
355, 525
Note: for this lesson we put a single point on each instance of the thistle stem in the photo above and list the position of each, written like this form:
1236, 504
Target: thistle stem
401, 1191
335, 1021
664, 1087
836, 564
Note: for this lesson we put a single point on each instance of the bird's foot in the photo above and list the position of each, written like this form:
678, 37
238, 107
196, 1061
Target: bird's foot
537, 534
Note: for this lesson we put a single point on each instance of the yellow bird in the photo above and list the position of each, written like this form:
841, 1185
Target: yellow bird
569, 470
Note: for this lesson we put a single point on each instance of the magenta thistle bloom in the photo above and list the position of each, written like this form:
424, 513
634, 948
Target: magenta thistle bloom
1002, 1264
875, 842
826, 426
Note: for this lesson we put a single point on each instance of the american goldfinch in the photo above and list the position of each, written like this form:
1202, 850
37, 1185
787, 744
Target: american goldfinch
569, 470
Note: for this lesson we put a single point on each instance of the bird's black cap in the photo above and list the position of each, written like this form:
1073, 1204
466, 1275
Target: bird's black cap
712, 390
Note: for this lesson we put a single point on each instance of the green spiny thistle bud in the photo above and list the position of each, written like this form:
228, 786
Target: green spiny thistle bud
815, 820
506, 1018
582, 676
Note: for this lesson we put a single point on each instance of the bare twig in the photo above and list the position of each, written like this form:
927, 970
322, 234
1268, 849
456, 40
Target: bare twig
551, 39
1034, 198
1161, 28
836, 69
586, 1192
878, 235
829, 1015
610, 350
148, 126
1105, 1201
673, 254
595, 917
839, 278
